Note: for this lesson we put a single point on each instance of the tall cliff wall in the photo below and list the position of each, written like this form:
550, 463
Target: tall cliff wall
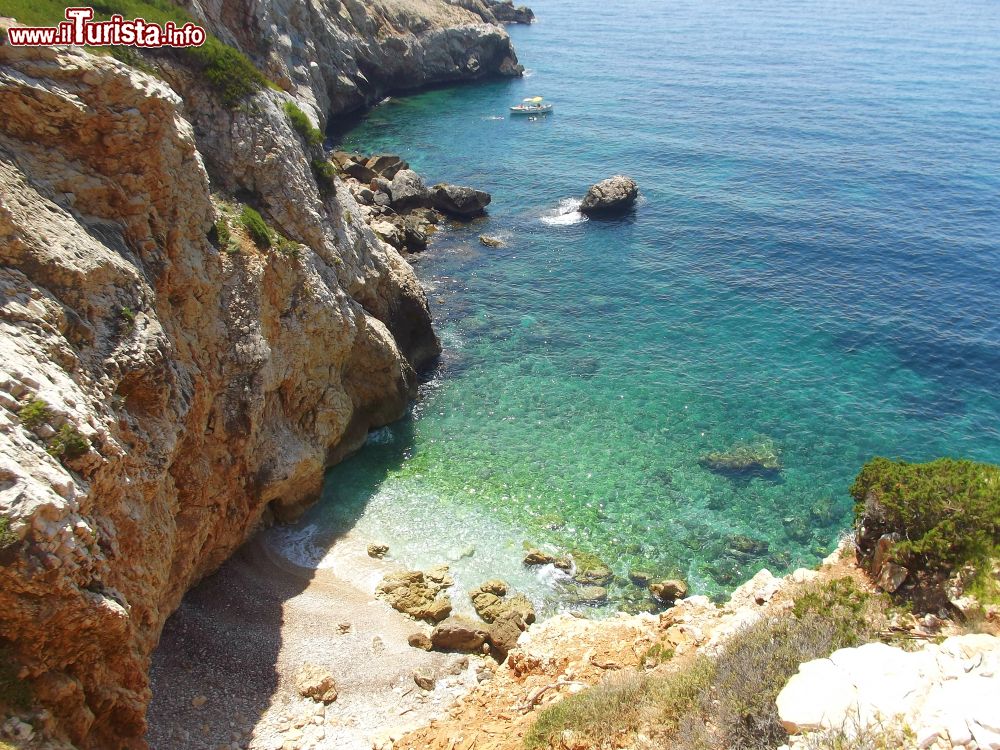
163, 390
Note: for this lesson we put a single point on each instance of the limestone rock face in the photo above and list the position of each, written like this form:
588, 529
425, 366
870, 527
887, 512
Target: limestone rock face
948, 692
340, 56
206, 390
614, 194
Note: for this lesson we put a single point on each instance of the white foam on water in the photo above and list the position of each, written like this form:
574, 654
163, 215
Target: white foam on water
494, 117
379, 437
298, 545
565, 214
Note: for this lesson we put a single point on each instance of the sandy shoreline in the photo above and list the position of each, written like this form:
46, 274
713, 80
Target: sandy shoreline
239, 638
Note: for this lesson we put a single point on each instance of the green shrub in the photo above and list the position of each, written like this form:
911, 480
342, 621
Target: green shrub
128, 317
254, 223
34, 414
68, 442
946, 512
324, 172
302, 124
623, 704
7, 537
226, 70
286, 246
727, 702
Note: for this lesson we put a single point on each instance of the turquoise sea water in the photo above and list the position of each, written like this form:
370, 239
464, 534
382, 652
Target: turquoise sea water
815, 262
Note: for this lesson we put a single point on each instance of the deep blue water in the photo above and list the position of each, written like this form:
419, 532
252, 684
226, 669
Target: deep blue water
814, 265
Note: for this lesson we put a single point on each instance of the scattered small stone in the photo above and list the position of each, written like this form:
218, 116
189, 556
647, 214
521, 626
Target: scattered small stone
344, 627
424, 679
317, 683
421, 641
198, 701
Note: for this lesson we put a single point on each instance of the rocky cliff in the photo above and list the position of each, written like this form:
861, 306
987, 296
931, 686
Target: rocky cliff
341, 56
166, 381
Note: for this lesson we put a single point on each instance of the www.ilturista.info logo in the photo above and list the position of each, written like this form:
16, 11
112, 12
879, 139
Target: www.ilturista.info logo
79, 29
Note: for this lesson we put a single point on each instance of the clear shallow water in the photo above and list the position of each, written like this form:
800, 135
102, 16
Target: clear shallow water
815, 262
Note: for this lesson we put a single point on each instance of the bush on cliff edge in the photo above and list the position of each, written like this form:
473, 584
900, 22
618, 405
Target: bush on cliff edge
944, 515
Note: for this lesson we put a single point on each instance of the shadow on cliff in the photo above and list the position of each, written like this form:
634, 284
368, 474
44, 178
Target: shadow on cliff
216, 669
214, 673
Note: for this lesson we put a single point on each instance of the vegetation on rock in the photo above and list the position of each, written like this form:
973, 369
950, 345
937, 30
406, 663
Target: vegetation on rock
13, 690
942, 516
302, 124
68, 442
256, 227
727, 702
34, 414
324, 172
7, 537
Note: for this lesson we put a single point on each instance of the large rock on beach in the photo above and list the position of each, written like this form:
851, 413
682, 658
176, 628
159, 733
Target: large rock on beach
609, 196
416, 594
460, 202
315, 682
460, 633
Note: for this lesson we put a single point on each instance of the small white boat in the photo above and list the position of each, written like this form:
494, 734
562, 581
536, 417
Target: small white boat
533, 105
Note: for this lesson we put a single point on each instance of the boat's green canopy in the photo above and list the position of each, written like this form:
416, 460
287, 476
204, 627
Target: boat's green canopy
533, 100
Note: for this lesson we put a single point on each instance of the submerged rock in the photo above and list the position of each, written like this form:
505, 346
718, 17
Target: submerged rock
590, 569
744, 458
591, 594
460, 202
491, 241
612, 195
640, 578
668, 591
378, 551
